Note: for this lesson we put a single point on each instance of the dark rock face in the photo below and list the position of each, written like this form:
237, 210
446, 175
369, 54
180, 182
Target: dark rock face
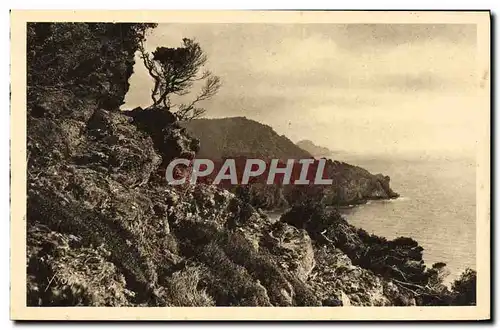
75, 280
90, 58
263, 196
90, 192
169, 137
115, 146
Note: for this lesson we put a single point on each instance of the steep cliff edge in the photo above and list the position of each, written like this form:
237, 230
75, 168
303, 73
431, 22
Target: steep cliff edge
355, 185
104, 228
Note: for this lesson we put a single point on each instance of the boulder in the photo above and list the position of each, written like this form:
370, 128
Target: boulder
292, 247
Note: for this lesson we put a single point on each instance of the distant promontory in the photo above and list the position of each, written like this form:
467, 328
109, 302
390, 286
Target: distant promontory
313, 149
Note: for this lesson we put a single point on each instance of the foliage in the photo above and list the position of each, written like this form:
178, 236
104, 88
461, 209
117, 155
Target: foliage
399, 260
64, 272
183, 288
230, 283
174, 71
464, 288
261, 195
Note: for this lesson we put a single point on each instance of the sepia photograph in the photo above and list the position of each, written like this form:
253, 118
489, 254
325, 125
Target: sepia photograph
162, 161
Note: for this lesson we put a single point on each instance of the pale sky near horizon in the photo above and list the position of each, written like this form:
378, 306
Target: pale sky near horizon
354, 87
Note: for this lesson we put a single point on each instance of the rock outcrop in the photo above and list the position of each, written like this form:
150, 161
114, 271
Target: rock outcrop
354, 185
241, 137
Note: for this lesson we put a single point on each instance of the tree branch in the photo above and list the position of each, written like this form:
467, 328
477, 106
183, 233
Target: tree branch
174, 71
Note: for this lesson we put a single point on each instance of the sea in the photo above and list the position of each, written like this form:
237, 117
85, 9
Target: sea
437, 206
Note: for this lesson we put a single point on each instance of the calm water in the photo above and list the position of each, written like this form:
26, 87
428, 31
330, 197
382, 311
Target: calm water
436, 208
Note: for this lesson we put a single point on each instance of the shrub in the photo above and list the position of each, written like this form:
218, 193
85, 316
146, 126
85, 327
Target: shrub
229, 283
183, 288
464, 289
174, 71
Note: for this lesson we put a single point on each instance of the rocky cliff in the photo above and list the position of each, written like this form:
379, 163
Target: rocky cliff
355, 185
104, 228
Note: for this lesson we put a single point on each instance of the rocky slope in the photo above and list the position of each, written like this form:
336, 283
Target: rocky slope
104, 228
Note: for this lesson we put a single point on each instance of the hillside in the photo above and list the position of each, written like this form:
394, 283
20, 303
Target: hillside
241, 137
313, 149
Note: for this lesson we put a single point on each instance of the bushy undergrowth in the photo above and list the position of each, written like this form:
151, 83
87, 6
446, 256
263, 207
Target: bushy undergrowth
464, 289
399, 260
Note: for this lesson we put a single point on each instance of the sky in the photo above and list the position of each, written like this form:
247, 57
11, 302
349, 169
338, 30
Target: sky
361, 88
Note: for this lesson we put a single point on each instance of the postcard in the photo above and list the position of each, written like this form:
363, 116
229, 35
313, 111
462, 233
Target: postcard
250, 165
